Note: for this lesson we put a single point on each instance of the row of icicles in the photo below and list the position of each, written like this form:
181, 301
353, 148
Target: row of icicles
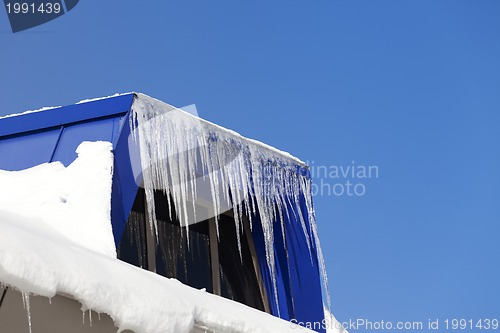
181, 153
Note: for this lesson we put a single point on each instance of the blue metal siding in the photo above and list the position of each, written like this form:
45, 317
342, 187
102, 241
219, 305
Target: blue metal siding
304, 272
297, 272
73, 135
54, 135
22, 152
65, 115
125, 186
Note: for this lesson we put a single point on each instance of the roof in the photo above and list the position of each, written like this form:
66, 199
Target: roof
144, 131
45, 118
92, 109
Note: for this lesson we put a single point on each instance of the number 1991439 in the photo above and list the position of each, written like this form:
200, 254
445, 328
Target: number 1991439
32, 8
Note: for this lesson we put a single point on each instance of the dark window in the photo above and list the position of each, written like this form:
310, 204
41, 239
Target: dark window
238, 277
174, 258
133, 246
171, 256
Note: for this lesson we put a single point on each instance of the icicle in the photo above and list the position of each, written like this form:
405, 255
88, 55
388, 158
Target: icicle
190, 159
26, 304
322, 267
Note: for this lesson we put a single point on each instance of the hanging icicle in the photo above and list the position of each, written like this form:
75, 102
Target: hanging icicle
199, 164
26, 305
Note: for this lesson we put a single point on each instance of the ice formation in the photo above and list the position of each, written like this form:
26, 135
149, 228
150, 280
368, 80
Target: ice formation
184, 155
26, 305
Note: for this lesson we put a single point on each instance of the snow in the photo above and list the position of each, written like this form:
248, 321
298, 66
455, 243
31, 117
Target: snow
181, 154
56, 238
332, 325
101, 98
37, 258
45, 108
75, 200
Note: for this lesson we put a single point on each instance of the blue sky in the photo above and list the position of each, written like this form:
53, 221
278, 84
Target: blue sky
411, 87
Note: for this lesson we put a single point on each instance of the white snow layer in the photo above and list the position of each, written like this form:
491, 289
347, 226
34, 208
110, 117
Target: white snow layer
332, 325
179, 152
75, 201
56, 238
45, 108
35, 258
101, 98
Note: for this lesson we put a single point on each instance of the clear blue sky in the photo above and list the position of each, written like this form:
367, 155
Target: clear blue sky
412, 87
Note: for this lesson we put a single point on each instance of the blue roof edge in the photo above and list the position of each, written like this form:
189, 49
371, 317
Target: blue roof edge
34, 121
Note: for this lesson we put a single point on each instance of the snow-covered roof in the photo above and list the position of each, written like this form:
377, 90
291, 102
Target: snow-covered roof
47, 248
145, 98
173, 151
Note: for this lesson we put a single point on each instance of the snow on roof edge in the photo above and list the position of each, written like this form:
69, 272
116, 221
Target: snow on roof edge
37, 260
284, 154
46, 108
106, 97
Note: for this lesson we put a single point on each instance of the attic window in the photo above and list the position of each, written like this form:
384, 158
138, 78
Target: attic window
205, 263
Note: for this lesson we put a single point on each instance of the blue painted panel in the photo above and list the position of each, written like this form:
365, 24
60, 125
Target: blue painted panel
22, 152
118, 123
285, 296
304, 273
297, 276
66, 115
125, 186
258, 240
72, 136
284, 307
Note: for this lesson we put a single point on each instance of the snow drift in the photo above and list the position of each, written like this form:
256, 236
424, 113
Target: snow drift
56, 239
75, 201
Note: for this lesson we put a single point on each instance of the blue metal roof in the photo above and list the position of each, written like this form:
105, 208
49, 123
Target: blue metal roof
65, 115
